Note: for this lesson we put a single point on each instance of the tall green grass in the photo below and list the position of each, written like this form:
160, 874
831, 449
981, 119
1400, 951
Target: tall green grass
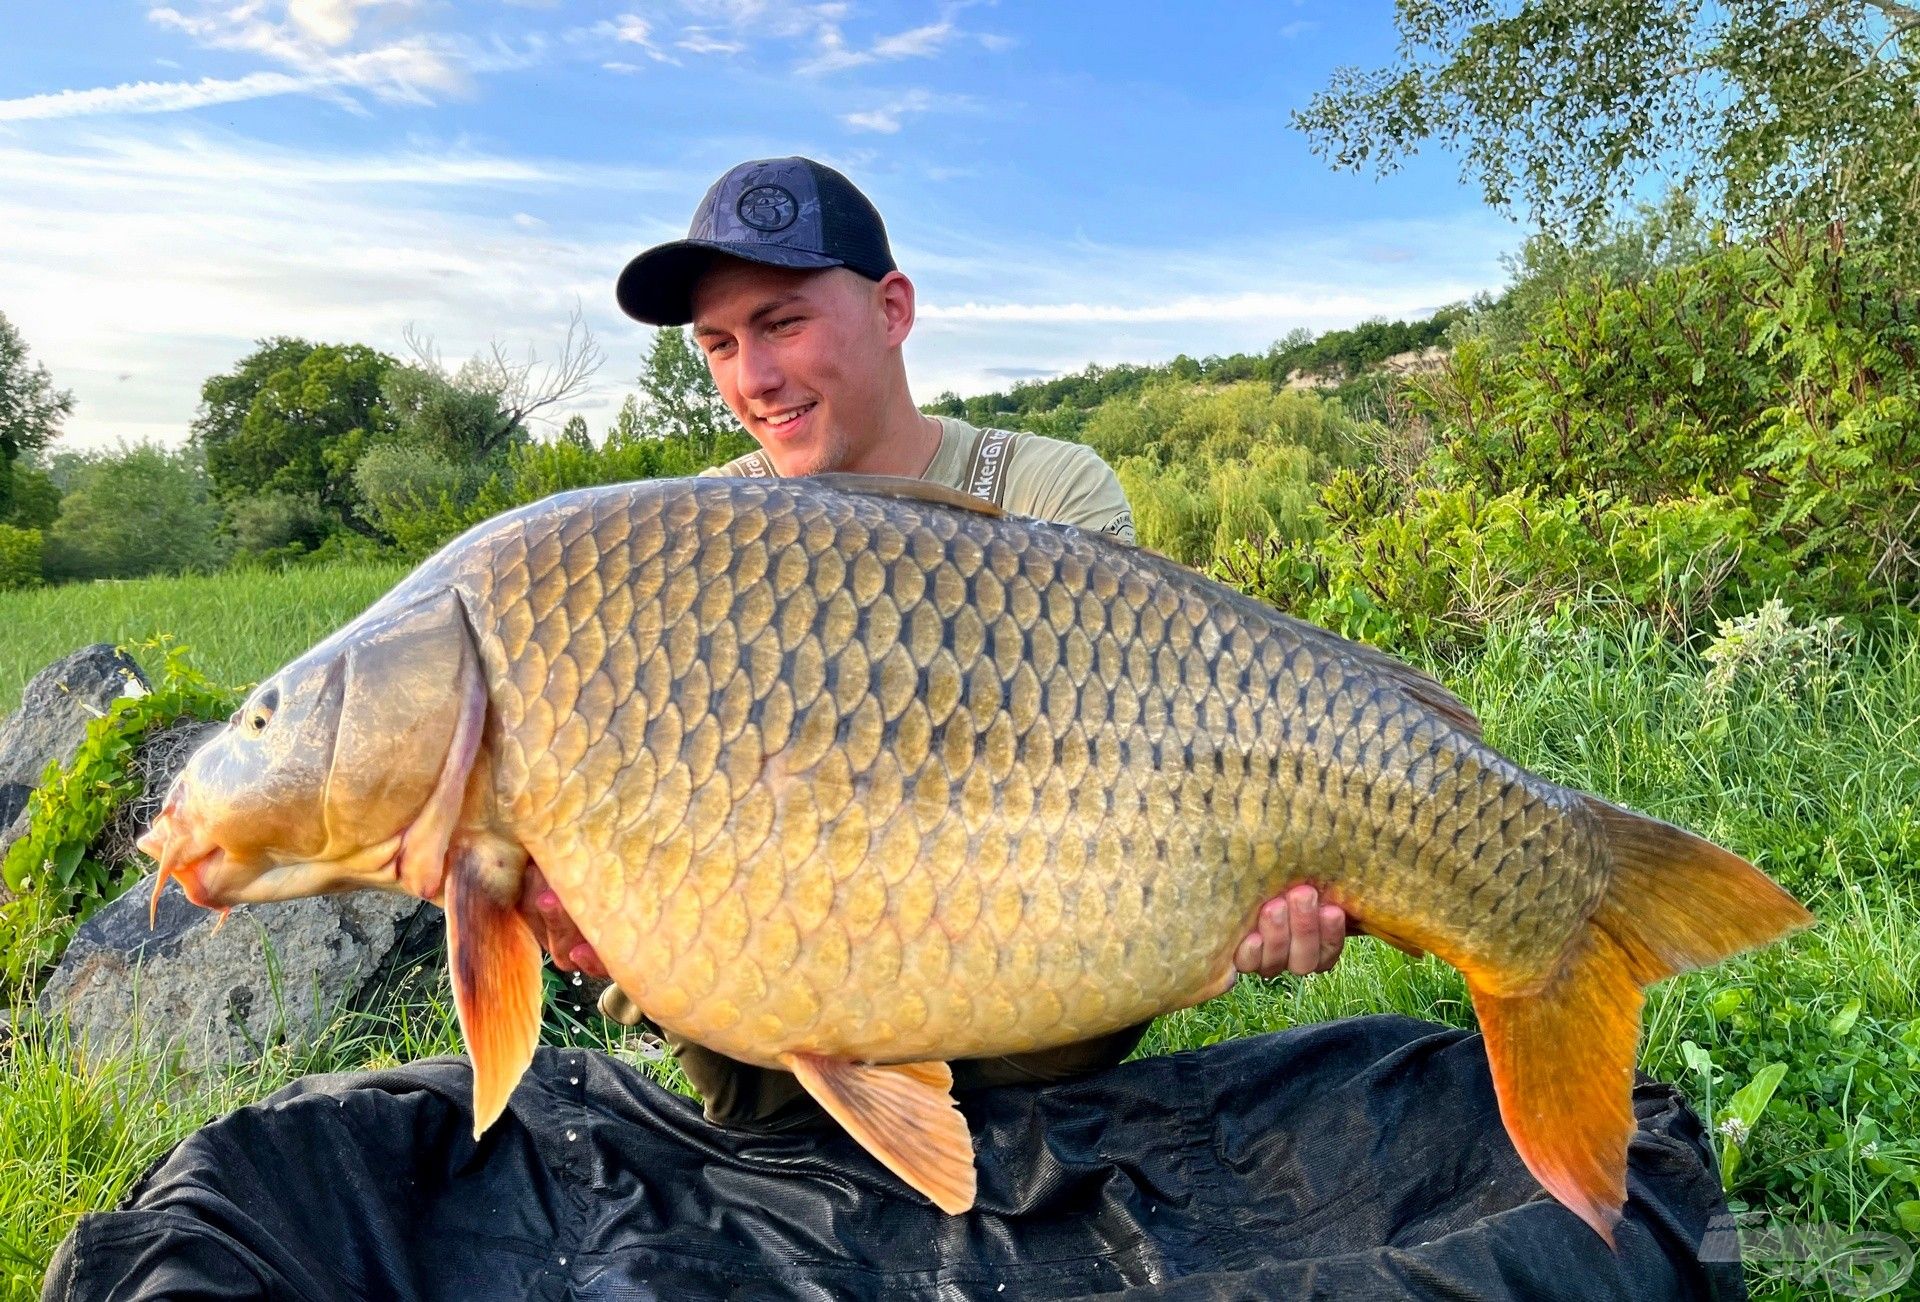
241, 625
1819, 786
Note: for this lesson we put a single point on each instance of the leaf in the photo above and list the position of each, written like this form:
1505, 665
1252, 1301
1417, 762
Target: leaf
1909, 1214
1697, 1059
66, 859
1751, 1099
1843, 1020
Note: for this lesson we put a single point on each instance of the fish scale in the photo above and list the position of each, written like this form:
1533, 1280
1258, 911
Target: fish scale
856, 777
1027, 767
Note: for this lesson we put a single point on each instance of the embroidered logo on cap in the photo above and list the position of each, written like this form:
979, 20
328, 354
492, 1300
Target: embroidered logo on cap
768, 208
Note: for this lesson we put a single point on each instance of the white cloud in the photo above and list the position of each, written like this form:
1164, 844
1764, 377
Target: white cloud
152, 96
173, 253
697, 40
835, 55
331, 47
886, 118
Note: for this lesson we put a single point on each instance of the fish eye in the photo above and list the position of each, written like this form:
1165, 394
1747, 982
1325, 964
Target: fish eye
261, 712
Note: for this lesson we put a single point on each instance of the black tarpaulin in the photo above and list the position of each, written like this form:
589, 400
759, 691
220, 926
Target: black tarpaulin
1356, 1159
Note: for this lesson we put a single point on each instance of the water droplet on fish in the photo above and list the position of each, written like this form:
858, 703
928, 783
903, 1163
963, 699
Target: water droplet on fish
576, 978
563, 1261
573, 1080
572, 1135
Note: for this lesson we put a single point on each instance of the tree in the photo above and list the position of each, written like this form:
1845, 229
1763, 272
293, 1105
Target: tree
518, 388
142, 510
36, 501
31, 409
682, 401
226, 399
1768, 110
305, 429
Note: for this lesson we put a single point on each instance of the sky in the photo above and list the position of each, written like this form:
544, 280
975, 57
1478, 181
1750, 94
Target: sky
1065, 182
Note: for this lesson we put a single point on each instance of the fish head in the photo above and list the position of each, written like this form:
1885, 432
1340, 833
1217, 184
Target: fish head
346, 769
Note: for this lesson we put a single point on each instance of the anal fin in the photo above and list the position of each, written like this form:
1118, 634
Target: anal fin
902, 1113
495, 961
1562, 1061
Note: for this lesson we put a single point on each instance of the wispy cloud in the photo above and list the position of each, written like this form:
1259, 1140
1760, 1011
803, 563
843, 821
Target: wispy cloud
916, 43
153, 96
886, 118
206, 243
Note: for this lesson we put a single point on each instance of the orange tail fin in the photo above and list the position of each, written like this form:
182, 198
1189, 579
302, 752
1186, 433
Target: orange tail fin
1562, 1057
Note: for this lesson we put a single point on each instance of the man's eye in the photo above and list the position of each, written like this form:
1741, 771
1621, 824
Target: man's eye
786, 321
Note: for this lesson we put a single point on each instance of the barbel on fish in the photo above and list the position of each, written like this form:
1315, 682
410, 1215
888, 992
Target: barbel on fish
857, 777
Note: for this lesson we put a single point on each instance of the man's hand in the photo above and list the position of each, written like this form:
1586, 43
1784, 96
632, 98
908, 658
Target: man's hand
554, 928
1294, 933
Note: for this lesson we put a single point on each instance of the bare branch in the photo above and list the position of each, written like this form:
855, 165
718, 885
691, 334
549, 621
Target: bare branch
425, 355
522, 394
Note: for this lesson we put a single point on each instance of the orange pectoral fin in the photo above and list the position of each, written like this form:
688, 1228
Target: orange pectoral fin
495, 961
1562, 1062
904, 1115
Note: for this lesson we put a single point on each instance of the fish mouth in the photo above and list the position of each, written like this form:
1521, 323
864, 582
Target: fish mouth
192, 877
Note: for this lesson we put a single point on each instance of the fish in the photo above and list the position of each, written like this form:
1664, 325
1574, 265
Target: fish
857, 777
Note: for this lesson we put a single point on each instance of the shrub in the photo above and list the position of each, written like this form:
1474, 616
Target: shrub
19, 557
142, 510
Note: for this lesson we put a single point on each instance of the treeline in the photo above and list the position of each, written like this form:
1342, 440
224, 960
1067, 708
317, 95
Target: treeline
309, 452
1343, 360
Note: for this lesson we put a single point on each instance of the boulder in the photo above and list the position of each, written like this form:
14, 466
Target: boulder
56, 707
275, 973
52, 722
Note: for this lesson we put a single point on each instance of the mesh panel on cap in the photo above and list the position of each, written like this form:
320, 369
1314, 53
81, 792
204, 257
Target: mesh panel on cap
852, 226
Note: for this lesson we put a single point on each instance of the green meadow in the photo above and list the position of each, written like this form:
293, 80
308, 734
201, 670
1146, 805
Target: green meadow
1805, 1057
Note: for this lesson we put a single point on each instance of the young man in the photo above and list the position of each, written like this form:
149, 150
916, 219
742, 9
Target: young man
789, 283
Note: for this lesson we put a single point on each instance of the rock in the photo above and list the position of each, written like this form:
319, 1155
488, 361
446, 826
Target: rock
56, 707
216, 998
52, 722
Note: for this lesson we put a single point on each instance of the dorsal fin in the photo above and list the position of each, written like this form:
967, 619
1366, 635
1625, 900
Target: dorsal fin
900, 486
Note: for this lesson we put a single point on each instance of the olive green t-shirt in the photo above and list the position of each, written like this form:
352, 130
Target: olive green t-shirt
1023, 474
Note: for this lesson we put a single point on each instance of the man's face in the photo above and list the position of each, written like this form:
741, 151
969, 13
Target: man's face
804, 358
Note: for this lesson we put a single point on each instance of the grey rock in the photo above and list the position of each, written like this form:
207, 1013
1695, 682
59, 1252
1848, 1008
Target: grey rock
56, 707
276, 973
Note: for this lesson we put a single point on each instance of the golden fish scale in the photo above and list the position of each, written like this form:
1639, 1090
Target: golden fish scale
866, 776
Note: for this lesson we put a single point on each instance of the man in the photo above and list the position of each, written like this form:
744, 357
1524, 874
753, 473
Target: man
789, 283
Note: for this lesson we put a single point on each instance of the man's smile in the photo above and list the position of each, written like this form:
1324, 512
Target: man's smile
786, 423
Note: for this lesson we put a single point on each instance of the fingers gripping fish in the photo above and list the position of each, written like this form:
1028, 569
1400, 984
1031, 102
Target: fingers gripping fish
855, 778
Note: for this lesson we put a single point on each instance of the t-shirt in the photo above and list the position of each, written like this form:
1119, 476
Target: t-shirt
1023, 474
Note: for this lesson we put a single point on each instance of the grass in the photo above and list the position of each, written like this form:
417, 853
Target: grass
1820, 786
241, 625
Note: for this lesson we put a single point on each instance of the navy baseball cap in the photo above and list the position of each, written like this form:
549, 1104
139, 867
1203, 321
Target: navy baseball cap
784, 212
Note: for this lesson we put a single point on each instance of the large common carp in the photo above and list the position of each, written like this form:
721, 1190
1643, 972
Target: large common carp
856, 777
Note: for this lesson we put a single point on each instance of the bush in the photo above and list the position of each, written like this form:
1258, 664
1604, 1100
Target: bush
19, 558
143, 510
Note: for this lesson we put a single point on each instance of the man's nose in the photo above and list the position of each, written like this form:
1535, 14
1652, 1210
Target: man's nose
759, 371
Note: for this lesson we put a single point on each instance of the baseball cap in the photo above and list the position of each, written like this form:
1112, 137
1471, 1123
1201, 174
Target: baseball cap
784, 212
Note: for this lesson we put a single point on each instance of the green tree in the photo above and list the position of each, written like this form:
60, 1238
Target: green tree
226, 399
31, 409
143, 510
1769, 109
452, 416
36, 499
681, 399
306, 427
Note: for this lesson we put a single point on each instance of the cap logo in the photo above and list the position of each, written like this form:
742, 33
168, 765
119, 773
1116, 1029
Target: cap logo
768, 208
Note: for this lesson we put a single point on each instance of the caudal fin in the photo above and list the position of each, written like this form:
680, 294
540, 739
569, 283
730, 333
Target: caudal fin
1562, 1057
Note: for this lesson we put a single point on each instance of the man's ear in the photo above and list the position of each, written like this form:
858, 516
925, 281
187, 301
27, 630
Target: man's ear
896, 306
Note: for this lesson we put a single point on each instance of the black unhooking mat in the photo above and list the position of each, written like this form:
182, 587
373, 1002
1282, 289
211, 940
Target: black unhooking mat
1355, 1159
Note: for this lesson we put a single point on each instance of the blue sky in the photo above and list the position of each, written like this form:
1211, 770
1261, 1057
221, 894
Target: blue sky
1065, 182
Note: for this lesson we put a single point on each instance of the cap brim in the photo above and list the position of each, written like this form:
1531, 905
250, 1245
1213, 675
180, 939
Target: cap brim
657, 286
